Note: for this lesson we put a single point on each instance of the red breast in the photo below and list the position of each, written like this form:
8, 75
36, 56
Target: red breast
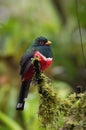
44, 63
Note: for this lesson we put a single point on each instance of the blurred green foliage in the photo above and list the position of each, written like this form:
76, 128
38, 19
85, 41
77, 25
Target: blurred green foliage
21, 22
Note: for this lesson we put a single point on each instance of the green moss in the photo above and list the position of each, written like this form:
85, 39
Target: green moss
76, 115
54, 113
48, 104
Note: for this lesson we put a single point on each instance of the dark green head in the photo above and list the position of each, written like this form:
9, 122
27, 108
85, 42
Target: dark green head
42, 45
41, 41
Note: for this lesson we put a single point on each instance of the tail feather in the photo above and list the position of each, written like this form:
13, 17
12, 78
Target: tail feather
27, 90
20, 106
22, 95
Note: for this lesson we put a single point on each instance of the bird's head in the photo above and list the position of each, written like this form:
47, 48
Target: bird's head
42, 41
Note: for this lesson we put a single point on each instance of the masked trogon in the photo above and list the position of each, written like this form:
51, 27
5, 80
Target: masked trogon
41, 48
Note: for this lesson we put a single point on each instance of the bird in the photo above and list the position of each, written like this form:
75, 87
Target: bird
40, 48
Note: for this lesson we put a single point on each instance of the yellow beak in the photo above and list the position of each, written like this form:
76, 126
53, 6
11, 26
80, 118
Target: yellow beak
49, 42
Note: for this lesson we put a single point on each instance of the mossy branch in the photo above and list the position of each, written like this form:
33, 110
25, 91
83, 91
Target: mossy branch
48, 98
55, 113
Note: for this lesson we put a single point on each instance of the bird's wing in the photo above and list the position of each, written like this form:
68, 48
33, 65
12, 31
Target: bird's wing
25, 62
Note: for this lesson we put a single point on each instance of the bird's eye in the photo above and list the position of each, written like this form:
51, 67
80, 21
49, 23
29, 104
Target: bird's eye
41, 42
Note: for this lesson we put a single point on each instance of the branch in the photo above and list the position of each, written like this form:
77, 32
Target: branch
37, 70
56, 113
48, 98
